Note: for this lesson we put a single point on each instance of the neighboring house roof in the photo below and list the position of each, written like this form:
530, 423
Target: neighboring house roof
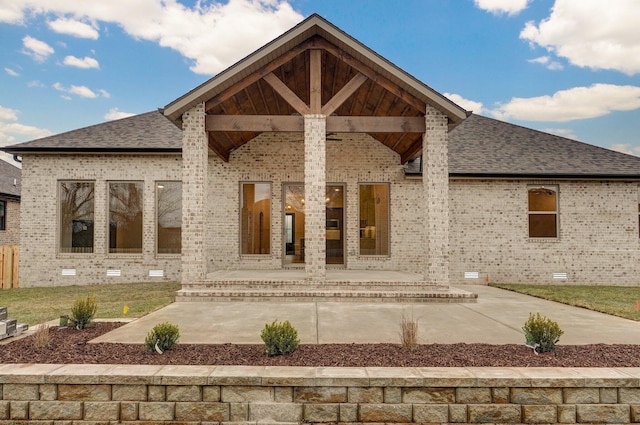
478, 147
307, 29
482, 146
148, 132
10, 180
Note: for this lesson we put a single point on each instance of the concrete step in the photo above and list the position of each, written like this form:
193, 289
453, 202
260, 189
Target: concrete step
302, 285
431, 295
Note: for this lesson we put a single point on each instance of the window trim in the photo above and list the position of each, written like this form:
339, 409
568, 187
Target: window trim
156, 204
59, 250
556, 212
108, 220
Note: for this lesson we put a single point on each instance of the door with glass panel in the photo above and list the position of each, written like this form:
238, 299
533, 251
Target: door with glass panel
294, 218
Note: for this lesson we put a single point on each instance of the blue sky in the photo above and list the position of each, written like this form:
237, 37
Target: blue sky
569, 67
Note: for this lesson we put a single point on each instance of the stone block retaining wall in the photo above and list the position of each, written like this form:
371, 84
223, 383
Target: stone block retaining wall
102, 394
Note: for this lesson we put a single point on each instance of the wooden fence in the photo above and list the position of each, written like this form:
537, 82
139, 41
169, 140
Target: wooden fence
9, 256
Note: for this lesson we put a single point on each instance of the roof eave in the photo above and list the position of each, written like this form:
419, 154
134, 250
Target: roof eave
63, 150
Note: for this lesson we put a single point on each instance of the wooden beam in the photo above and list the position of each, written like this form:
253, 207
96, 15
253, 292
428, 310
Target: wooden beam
413, 150
255, 76
340, 124
255, 123
344, 93
222, 153
287, 94
370, 73
315, 80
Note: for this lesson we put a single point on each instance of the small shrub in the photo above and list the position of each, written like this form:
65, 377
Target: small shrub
409, 332
279, 338
83, 311
162, 337
42, 339
542, 331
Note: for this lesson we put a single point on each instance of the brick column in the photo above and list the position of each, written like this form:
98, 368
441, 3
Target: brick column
194, 195
435, 183
315, 151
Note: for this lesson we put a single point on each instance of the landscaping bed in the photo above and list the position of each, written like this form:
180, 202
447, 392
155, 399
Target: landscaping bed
71, 346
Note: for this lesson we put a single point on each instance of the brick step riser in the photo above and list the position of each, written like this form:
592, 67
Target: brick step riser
296, 296
305, 286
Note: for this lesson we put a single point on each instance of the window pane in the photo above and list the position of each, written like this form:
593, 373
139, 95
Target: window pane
3, 215
169, 217
542, 226
256, 218
76, 217
374, 219
542, 199
125, 217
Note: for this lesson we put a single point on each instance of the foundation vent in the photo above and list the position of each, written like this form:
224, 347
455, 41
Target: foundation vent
561, 276
114, 272
156, 273
471, 275
68, 272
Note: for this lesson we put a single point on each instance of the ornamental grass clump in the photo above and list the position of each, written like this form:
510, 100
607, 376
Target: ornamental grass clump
542, 333
279, 338
83, 311
162, 337
409, 332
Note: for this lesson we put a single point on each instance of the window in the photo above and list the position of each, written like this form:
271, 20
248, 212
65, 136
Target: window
169, 217
255, 218
543, 212
76, 216
125, 217
374, 219
3, 215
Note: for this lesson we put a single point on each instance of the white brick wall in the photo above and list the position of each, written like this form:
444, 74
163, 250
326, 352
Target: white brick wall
598, 241
279, 158
11, 234
40, 262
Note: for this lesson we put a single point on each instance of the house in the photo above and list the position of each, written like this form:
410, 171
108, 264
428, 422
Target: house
315, 156
9, 204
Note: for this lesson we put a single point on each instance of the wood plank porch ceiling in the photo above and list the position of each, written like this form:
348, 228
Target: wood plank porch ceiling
275, 97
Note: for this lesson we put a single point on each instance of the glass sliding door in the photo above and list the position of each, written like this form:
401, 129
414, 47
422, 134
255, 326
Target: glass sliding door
294, 218
335, 224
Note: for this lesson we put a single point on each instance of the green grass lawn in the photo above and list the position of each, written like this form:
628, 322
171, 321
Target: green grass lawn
38, 305
615, 300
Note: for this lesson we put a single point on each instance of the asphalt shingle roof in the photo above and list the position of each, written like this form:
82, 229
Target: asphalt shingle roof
479, 146
148, 132
10, 180
485, 146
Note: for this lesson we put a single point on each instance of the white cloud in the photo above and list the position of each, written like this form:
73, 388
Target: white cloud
562, 132
35, 83
572, 104
547, 62
74, 27
11, 72
497, 7
213, 35
85, 62
627, 148
467, 104
82, 91
7, 114
38, 50
116, 114
591, 33
11, 130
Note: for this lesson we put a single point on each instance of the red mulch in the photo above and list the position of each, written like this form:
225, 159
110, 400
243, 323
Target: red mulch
70, 346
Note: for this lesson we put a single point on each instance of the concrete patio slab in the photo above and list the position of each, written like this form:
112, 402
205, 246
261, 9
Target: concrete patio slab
496, 318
